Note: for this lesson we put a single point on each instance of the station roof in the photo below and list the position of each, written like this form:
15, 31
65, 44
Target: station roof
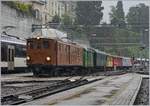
12, 39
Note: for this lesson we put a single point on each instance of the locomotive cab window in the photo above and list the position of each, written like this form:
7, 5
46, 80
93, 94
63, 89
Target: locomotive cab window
30, 44
45, 44
38, 45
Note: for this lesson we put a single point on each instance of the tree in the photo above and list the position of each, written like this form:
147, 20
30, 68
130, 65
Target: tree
56, 19
138, 17
117, 15
89, 12
66, 20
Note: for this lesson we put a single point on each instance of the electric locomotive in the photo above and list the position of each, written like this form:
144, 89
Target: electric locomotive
52, 56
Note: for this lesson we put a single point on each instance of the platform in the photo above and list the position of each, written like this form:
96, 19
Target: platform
128, 94
30, 77
114, 90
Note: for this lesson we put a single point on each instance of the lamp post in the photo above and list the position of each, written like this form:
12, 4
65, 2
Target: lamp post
141, 48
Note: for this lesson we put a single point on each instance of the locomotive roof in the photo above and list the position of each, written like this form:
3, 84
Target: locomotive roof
49, 33
102, 52
12, 39
69, 43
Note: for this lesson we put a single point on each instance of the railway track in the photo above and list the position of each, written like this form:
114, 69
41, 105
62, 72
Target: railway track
23, 97
52, 87
30, 81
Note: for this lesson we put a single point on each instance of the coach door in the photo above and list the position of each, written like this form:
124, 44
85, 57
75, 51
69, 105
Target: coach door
10, 55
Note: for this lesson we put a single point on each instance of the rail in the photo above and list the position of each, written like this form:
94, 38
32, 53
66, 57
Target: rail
43, 91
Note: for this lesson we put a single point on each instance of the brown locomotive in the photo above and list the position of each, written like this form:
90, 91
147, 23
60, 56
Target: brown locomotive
45, 55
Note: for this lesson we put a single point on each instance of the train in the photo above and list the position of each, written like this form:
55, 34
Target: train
48, 56
141, 64
51, 56
13, 54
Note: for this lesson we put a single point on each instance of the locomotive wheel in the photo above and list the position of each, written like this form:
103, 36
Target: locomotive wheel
35, 74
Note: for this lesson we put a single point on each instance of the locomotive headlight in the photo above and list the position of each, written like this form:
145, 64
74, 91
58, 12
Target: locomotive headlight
28, 58
38, 37
48, 58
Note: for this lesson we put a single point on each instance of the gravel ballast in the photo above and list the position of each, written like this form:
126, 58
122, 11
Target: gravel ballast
143, 95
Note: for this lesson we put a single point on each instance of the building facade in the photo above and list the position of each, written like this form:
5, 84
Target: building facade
40, 9
54, 7
60, 7
15, 23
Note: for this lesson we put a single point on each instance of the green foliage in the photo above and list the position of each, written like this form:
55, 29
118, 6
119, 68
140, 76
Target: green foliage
106, 35
117, 15
56, 19
124, 36
138, 17
119, 10
66, 20
89, 12
23, 8
137, 52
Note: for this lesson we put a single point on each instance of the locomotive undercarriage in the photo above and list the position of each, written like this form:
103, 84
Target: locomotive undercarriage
4, 70
49, 70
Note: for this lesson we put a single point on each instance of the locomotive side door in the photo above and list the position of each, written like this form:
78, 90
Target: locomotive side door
10, 57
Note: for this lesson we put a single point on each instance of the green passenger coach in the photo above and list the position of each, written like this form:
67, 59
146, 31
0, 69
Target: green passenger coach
100, 59
88, 57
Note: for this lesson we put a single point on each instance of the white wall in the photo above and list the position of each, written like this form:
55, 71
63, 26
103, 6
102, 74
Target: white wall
23, 25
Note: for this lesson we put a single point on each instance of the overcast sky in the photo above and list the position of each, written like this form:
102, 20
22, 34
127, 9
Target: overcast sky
126, 5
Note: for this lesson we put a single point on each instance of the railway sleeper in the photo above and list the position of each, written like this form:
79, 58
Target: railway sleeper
42, 92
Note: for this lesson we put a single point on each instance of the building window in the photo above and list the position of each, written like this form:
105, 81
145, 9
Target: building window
45, 18
37, 14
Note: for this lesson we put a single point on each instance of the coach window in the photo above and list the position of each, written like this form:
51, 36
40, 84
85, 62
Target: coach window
20, 51
3, 53
12, 57
17, 50
23, 51
45, 44
9, 58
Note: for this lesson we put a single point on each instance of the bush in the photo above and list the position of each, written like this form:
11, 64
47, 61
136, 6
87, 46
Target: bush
21, 7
